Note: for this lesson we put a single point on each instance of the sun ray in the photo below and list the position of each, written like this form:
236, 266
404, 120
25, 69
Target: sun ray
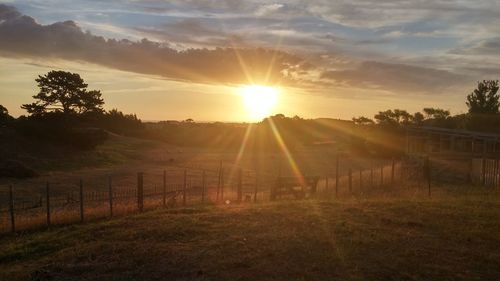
286, 151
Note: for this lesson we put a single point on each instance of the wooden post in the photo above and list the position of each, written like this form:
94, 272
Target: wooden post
392, 172
495, 174
164, 188
428, 174
222, 184
360, 179
219, 182
382, 175
337, 176
326, 183
256, 187
81, 201
350, 180
239, 192
110, 197
203, 187
140, 191
47, 190
184, 187
371, 176
11, 210
483, 172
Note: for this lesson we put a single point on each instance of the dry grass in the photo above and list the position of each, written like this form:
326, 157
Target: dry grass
398, 236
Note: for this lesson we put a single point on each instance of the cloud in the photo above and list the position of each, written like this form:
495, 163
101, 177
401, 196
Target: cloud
398, 78
487, 47
23, 36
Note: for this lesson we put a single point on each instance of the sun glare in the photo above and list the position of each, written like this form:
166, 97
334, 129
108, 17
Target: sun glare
258, 100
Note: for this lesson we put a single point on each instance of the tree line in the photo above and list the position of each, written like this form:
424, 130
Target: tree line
65, 111
483, 114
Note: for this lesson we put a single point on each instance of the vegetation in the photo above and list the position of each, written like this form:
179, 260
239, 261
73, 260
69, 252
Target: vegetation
449, 237
66, 92
484, 99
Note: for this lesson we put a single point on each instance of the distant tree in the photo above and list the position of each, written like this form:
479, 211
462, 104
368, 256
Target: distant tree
189, 120
436, 113
417, 118
362, 120
66, 92
484, 99
4, 115
394, 117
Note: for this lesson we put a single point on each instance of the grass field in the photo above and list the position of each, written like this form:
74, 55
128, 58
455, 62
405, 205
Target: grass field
448, 237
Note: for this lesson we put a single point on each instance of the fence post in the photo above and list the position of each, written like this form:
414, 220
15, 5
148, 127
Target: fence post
222, 184
239, 192
483, 172
427, 167
81, 200
382, 175
350, 180
11, 210
337, 177
360, 179
256, 187
495, 174
392, 172
219, 182
164, 188
140, 191
110, 197
203, 187
47, 190
184, 186
326, 183
371, 175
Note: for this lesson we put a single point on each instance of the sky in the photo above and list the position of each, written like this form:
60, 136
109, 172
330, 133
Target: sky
184, 59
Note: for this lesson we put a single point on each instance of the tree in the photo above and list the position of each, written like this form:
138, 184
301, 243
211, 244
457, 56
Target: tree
394, 117
4, 115
484, 99
417, 118
436, 113
362, 120
66, 92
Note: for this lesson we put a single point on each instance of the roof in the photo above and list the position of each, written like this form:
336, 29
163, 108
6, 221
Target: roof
456, 132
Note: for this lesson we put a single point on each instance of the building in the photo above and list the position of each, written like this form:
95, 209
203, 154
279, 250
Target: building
451, 143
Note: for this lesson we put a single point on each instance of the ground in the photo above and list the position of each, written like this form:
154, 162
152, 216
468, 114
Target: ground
400, 238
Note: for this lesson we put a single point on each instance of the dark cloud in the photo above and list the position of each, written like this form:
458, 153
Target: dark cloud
486, 47
23, 36
396, 78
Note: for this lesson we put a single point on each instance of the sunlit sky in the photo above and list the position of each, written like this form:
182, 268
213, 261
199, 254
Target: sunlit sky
189, 59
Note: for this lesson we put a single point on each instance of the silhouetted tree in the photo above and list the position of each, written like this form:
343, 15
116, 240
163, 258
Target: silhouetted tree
436, 113
4, 115
66, 92
362, 120
484, 99
417, 118
394, 117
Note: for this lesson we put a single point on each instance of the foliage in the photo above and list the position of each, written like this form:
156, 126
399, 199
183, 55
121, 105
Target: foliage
5, 118
436, 113
66, 92
362, 120
484, 99
393, 117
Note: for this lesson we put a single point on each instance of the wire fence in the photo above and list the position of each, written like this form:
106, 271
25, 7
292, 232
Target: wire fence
61, 202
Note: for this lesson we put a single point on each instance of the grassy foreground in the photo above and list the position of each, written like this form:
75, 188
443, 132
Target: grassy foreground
386, 239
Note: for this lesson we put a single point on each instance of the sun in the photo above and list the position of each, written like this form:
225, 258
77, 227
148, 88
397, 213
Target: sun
259, 101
